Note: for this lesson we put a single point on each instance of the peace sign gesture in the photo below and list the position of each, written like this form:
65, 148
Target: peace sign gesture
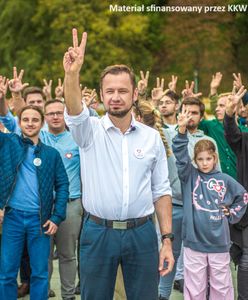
15, 85
74, 57
59, 90
143, 83
173, 83
47, 89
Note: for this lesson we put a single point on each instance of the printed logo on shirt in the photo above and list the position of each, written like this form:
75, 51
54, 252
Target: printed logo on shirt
218, 186
37, 162
139, 153
68, 155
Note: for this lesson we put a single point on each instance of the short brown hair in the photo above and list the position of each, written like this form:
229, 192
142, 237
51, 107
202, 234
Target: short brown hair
194, 101
32, 90
53, 101
204, 145
118, 69
173, 96
33, 107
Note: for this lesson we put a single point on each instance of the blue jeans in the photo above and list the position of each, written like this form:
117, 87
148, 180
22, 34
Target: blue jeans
18, 226
165, 284
102, 249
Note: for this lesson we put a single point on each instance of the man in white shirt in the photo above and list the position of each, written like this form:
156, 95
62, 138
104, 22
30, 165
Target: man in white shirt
124, 175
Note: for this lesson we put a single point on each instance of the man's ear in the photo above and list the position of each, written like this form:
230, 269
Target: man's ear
177, 107
135, 95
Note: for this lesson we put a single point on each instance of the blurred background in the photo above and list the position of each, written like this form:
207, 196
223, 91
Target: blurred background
36, 33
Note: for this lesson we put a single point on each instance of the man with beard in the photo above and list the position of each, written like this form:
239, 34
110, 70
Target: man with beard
124, 175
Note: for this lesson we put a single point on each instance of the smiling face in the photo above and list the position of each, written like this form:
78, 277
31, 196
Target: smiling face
118, 94
30, 123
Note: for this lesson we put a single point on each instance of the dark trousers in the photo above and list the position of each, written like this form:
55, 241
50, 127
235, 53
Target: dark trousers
102, 249
243, 268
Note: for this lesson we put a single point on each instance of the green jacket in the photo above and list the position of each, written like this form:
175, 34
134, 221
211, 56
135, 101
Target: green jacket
215, 129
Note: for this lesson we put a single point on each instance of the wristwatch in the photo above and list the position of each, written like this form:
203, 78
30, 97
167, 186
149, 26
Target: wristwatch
167, 236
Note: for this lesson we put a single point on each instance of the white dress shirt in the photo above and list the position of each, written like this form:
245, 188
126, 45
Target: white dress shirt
122, 174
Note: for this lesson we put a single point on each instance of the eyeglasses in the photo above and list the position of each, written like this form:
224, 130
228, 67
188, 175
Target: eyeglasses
57, 113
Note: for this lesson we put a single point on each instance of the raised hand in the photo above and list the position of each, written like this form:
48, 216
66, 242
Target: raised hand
88, 96
74, 57
237, 81
3, 86
158, 92
183, 118
172, 85
47, 89
59, 90
234, 99
143, 83
215, 83
189, 90
15, 85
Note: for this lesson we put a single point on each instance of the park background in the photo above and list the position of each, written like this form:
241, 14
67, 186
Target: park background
36, 33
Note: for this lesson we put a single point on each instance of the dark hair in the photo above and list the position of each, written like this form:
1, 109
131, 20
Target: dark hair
32, 90
173, 96
52, 102
194, 101
118, 69
33, 107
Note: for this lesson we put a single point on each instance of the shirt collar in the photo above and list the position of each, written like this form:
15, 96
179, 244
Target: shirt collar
107, 123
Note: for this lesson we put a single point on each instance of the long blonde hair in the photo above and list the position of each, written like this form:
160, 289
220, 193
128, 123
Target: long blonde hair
151, 117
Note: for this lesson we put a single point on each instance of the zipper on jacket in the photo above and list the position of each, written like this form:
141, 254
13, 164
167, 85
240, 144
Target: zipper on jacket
37, 173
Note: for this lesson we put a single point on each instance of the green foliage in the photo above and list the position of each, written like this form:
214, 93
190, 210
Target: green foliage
45, 28
36, 33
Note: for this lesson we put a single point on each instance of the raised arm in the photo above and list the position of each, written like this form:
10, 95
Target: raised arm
3, 91
172, 85
47, 89
189, 90
158, 92
233, 134
213, 95
16, 87
180, 146
143, 85
72, 62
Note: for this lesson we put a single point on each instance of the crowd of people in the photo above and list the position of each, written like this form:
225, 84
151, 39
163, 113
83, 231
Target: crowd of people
143, 181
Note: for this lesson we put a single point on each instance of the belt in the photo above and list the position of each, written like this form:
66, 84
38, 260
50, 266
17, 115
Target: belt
115, 224
72, 199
